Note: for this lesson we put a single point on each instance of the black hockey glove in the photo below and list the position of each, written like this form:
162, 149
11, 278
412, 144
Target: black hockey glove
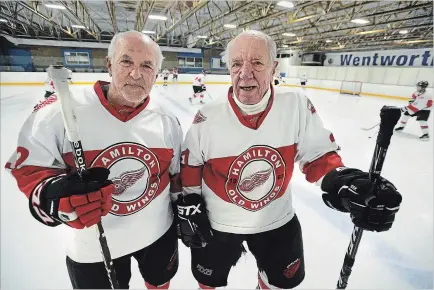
371, 208
203, 88
194, 228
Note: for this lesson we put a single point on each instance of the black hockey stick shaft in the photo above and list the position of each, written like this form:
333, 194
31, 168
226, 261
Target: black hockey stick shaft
59, 76
389, 118
80, 163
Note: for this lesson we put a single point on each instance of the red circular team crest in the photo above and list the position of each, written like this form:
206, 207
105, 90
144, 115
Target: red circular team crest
136, 187
255, 177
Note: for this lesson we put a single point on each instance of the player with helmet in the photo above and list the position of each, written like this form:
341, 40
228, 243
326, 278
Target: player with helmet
419, 106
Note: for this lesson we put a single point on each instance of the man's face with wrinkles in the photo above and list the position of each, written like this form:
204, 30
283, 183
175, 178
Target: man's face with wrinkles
251, 68
133, 68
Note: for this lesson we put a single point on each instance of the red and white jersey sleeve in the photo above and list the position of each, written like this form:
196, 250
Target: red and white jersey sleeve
49, 85
141, 150
316, 145
199, 80
243, 172
38, 158
420, 102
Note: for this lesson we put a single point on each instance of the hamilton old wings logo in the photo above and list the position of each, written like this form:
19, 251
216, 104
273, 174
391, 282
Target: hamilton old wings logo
136, 187
255, 177
127, 179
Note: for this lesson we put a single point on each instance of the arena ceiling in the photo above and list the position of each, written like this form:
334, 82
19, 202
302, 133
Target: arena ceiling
307, 25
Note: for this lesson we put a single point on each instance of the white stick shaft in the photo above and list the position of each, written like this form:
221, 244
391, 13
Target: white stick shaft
59, 77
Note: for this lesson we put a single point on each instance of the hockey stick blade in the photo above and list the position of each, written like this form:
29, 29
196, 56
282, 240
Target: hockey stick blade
59, 75
389, 117
370, 128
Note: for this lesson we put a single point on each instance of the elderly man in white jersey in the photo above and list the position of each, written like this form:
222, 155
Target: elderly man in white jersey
236, 167
132, 147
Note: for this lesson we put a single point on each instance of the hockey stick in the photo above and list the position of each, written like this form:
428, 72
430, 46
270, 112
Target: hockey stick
370, 128
59, 76
209, 96
389, 117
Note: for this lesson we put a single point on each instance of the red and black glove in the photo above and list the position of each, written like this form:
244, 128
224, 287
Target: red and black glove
79, 202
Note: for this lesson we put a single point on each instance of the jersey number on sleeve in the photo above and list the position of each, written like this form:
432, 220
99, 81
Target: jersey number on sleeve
22, 154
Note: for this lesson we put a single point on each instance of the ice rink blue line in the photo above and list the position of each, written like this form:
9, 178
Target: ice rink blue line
419, 279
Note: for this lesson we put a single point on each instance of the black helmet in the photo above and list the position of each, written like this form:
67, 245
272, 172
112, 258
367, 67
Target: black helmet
422, 84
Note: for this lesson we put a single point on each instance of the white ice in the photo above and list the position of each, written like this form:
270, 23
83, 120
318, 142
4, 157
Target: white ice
402, 258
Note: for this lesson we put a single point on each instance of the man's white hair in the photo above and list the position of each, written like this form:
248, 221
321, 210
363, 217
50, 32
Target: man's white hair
272, 48
146, 39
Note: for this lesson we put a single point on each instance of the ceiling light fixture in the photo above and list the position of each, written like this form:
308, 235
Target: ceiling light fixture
54, 6
230, 25
78, 26
288, 34
148, 31
285, 4
360, 21
157, 17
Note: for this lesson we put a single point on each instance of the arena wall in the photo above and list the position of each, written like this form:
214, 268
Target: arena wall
397, 83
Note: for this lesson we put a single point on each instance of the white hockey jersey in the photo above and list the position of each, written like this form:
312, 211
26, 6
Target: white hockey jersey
199, 80
141, 150
244, 171
165, 73
420, 102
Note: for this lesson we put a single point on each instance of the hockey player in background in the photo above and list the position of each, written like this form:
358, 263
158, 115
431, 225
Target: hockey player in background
70, 76
419, 106
165, 73
132, 147
303, 80
236, 168
199, 87
175, 75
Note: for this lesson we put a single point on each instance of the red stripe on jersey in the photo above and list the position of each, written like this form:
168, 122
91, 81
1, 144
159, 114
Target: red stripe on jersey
429, 103
29, 176
191, 175
323, 165
220, 172
414, 109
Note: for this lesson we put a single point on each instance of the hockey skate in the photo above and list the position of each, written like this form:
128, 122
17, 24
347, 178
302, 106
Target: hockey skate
424, 137
399, 129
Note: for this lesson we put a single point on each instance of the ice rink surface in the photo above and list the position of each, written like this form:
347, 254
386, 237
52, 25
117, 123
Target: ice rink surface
402, 258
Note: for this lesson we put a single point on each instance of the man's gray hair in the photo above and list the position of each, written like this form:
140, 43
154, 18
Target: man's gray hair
272, 48
146, 39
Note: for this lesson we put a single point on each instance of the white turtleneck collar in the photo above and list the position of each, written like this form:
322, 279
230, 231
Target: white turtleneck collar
256, 108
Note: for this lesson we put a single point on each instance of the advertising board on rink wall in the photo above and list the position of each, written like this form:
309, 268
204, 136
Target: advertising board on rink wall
421, 57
